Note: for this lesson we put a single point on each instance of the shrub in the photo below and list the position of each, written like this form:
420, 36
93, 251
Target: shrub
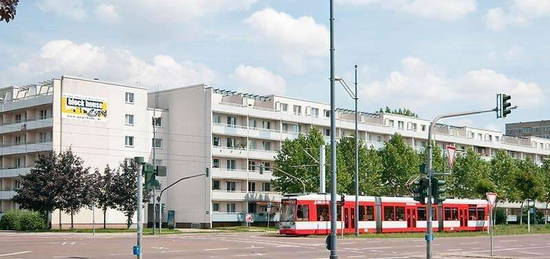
22, 220
10, 220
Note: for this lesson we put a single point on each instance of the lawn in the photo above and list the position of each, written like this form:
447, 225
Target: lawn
146, 231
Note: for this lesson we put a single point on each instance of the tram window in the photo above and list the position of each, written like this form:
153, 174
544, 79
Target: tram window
434, 213
480, 214
454, 213
339, 213
322, 213
370, 213
447, 214
472, 214
389, 213
302, 213
366, 213
400, 213
421, 213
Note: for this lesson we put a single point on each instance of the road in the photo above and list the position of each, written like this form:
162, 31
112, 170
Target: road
258, 245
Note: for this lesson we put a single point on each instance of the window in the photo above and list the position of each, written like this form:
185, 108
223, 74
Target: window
215, 163
129, 141
19, 162
215, 185
297, 109
230, 207
421, 213
302, 213
285, 127
158, 161
17, 118
129, 97
157, 122
327, 113
423, 127
216, 141
267, 166
314, 112
230, 186
43, 114
480, 214
251, 186
266, 124
451, 213
284, 107
401, 125
157, 143
389, 123
217, 119
266, 187
215, 207
129, 120
366, 213
43, 137
231, 164
266, 145
322, 213
230, 142
251, 165
327, 132
400, 213
18, 140
394, 213
252, 123
231, 121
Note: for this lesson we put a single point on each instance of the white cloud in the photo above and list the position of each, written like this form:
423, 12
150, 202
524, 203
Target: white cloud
518, 13
66, 57
259, 80
107, 12
179, 10
447, 10
73, 9
296, 38
420, 86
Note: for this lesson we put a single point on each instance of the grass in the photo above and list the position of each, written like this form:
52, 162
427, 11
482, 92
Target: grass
499, 230
245, 229
146, 231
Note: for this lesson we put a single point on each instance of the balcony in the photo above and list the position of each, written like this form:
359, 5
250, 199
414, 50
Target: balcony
7, 195
218, 173
30, 101
240, 217
244, 153
221, 195
26, 125
13, 172
27, 148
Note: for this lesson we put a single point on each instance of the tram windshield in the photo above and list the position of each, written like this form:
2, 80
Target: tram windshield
288, 211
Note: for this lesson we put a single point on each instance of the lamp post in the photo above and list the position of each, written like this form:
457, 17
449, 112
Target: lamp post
332, 237
353, 95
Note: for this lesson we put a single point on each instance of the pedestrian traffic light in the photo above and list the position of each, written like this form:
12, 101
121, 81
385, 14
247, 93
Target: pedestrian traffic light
150, 172
420, 190
504, 107
438, 190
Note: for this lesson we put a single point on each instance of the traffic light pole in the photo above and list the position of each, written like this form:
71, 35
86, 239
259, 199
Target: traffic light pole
139, 163
429, 229
333, 189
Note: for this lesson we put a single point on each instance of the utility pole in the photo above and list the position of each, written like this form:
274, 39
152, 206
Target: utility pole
332, 242
139, 163
356, 222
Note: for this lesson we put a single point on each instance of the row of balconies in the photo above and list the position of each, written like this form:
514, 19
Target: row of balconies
223, 195
240, 217
26, 125
219, 173
27, 148
244, 153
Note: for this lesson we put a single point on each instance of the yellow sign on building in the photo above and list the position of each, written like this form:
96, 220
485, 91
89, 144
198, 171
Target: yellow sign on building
80, 107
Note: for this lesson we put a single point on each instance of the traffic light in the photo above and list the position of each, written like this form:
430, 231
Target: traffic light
151, 173
504, 107
420, 190
438, 190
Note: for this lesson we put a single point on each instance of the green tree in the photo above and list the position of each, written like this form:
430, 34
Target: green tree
125, 189
370, 168
294, 160
469, 178
104, 193
400, 163
8, 9
528, 180
41, 188
77, 184
503, 168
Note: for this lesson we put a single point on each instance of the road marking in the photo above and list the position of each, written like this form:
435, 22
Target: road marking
454, 249
216, 249
16, 253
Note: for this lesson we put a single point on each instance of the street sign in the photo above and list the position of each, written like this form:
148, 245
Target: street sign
492, 198
451, 155
249, 218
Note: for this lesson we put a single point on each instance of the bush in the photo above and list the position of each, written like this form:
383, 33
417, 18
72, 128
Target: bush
22, 220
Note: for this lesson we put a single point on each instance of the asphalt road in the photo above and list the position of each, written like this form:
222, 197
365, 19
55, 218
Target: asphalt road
259, 245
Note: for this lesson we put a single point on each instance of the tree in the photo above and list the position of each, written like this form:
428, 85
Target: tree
400, 163
77, 184
8, 9
466, 180
528, 181
40, 189
104, 193
294, 160
503, 168
125, 189
369, 168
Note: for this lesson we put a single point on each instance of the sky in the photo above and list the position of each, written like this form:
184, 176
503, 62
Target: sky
430, 56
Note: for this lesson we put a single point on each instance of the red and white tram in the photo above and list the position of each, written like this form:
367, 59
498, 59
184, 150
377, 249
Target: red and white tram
310, 215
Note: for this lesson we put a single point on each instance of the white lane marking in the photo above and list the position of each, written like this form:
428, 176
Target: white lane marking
16, 253
454, 249
216, 249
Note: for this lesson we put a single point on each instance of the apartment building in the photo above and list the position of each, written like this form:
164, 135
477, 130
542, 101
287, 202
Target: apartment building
527, 129
103, 123
195, 129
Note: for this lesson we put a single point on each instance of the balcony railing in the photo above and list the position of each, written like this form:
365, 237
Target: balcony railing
25, 121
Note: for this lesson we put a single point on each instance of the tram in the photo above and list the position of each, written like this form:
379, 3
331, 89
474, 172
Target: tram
310, 215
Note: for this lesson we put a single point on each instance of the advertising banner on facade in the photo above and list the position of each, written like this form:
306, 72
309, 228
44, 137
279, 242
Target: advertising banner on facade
83, 107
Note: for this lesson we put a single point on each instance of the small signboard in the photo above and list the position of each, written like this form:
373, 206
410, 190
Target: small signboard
249, 218
492, 198
451, 155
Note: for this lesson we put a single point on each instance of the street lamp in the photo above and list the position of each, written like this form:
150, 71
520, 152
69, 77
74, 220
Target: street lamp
353, 95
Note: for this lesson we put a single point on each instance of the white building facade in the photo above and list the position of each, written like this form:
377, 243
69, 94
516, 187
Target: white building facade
198, 129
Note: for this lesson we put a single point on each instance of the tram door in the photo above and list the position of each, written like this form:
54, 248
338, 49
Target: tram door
411, 217
349, 219
463, 217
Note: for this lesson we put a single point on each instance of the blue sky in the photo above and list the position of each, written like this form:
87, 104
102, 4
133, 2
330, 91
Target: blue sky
431, 56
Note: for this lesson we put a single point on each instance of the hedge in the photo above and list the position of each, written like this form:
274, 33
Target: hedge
22, 220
